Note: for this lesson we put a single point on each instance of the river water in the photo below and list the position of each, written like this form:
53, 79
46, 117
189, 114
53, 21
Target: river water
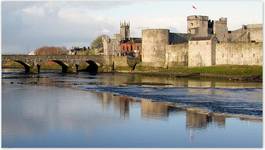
126, 110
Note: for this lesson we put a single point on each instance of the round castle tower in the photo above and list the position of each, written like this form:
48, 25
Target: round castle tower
154, 43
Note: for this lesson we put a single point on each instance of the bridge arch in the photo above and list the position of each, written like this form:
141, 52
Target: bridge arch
62, 64
25, 65
93, 67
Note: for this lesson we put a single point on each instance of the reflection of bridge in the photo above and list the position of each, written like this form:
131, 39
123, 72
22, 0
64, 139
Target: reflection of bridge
69, 63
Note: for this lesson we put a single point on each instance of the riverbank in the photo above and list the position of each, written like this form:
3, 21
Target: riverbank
229, 72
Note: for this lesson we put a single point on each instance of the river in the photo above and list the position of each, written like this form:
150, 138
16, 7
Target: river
128, 110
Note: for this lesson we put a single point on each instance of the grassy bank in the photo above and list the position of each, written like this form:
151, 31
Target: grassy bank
220, 70
231, 72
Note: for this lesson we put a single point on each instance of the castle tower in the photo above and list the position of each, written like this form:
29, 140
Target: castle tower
197, 25
125, 30
220, 29
154, 42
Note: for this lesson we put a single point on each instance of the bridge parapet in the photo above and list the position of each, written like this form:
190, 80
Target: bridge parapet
69, 63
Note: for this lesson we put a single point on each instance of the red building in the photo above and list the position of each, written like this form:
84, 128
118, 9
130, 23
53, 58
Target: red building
132, 47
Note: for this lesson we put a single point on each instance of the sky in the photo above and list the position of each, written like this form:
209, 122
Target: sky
27, 25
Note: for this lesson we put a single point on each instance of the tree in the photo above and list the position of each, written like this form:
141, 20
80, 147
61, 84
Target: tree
97, 43
46, 50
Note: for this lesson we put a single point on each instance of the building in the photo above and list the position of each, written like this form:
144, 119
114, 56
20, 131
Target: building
206, 43
197, 25
125, 31
131, 47
111, 46
201, 51
121, 44
247, 33
220, 29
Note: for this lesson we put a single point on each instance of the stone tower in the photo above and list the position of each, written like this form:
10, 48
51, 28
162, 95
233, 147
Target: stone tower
154, 42
220, 29
125, 31
197, 25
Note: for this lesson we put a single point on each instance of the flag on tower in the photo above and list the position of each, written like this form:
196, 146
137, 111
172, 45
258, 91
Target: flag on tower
194, 7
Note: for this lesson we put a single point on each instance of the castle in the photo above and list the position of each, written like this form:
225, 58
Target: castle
206, 43
122, 44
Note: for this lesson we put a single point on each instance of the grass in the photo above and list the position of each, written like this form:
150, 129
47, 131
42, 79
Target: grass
219, 70
240, 70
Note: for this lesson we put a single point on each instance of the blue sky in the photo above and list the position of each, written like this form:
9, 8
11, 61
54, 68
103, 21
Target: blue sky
27, 25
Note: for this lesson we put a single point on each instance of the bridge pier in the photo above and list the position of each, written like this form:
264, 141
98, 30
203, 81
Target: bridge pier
76, 68
34, 68
72, 68
38, 68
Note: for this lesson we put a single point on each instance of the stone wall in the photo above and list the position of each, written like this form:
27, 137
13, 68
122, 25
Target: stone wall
255, 32
239, 53
238, 35
177, 55
220, 29
154, 42
120, 61
247, 33
201, 53
197, 25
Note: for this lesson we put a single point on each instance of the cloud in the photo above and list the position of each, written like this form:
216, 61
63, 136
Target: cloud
27, 25
39, 24
34, 10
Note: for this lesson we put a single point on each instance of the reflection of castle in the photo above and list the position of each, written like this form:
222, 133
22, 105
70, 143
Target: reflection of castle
198, 119
120, 103
195, 118
123, 104
151, 109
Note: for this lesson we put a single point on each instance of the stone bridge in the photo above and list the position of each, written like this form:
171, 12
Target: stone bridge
69, 63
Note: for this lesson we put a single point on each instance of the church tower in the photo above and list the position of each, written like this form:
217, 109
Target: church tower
125, 30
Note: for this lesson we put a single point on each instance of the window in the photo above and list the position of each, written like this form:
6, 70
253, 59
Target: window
253, 55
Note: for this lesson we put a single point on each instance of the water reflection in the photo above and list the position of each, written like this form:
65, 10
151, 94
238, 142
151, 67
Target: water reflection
40, 114
120, 103
156, 110
199, 119
196, 118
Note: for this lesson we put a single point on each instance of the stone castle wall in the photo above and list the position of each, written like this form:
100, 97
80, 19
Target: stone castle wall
201, 53
239, 53
220, 29
204, 53
247, 33
197, 25
177, 55
154, 42
256, 33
